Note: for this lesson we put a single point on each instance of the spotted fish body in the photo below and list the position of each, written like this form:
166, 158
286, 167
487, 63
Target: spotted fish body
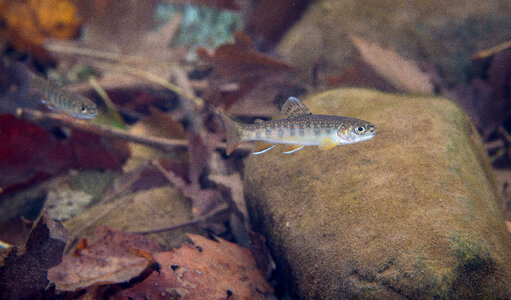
300, 128
61, 100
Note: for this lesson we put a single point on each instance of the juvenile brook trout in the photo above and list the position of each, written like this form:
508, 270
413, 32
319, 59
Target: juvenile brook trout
61, 100
299, 128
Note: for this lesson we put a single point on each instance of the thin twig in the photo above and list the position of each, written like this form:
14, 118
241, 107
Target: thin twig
177, 182
181, 185
106, 99
199, 102
164, 36
203, 220
101, 130
492, 50
101, 92
71, 49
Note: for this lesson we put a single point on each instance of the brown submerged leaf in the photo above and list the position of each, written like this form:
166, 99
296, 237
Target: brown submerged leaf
23, 271
486, 101
204, 270
26, 24
359, 74
239, 69
402, 73
113, 258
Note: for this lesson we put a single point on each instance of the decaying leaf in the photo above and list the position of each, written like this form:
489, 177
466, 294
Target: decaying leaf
261, 253
270, 20
359, 74
231, 188
26, 24
204, 270
28, 153
499, 77
238, 69
113, 258
402, 73
486, 97
23, 271
476, 98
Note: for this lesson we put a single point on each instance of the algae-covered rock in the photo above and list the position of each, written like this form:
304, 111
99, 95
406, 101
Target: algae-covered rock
412, 213
446, 33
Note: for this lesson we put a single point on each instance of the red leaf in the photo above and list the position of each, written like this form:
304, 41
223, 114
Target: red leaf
205, 270
95, 152
28, 153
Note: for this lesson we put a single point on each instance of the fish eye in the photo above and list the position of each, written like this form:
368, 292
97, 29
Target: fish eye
83, 109
360, 129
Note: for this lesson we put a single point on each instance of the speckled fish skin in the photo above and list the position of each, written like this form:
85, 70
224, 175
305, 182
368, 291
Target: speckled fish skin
305, 130
61, 100
300, 129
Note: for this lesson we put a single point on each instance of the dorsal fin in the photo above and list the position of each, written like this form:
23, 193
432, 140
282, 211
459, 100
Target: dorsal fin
293, 107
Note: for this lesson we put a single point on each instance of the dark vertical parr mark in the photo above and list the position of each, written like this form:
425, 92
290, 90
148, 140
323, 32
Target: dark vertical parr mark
301, 130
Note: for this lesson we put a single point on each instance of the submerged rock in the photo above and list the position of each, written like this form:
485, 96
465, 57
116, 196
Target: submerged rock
445, 33
412, 213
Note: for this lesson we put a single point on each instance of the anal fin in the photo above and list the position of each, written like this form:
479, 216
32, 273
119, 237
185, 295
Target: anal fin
327, 143
293, 148
262, 147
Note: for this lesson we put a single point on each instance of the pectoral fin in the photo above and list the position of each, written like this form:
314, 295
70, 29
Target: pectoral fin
262, 147
327, 143
293, 148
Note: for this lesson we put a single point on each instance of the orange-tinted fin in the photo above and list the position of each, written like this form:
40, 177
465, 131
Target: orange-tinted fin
233, 133
327, 143
293, 148
262, 147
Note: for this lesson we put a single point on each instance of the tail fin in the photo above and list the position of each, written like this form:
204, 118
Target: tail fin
233, 133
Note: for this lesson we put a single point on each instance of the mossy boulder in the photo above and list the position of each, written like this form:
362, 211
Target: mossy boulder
412, 213
446, 33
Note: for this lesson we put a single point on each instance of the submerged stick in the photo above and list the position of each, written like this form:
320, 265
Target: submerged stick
164, 144
180, 185
101, 130
199, 102
203, 220
492, 50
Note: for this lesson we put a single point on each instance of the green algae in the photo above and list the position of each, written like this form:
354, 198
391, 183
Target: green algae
376, 219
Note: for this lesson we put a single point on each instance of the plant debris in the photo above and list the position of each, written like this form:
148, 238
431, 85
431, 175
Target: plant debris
206, 269
23, 270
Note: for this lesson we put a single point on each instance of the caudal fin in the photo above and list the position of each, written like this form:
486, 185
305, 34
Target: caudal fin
233, 133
